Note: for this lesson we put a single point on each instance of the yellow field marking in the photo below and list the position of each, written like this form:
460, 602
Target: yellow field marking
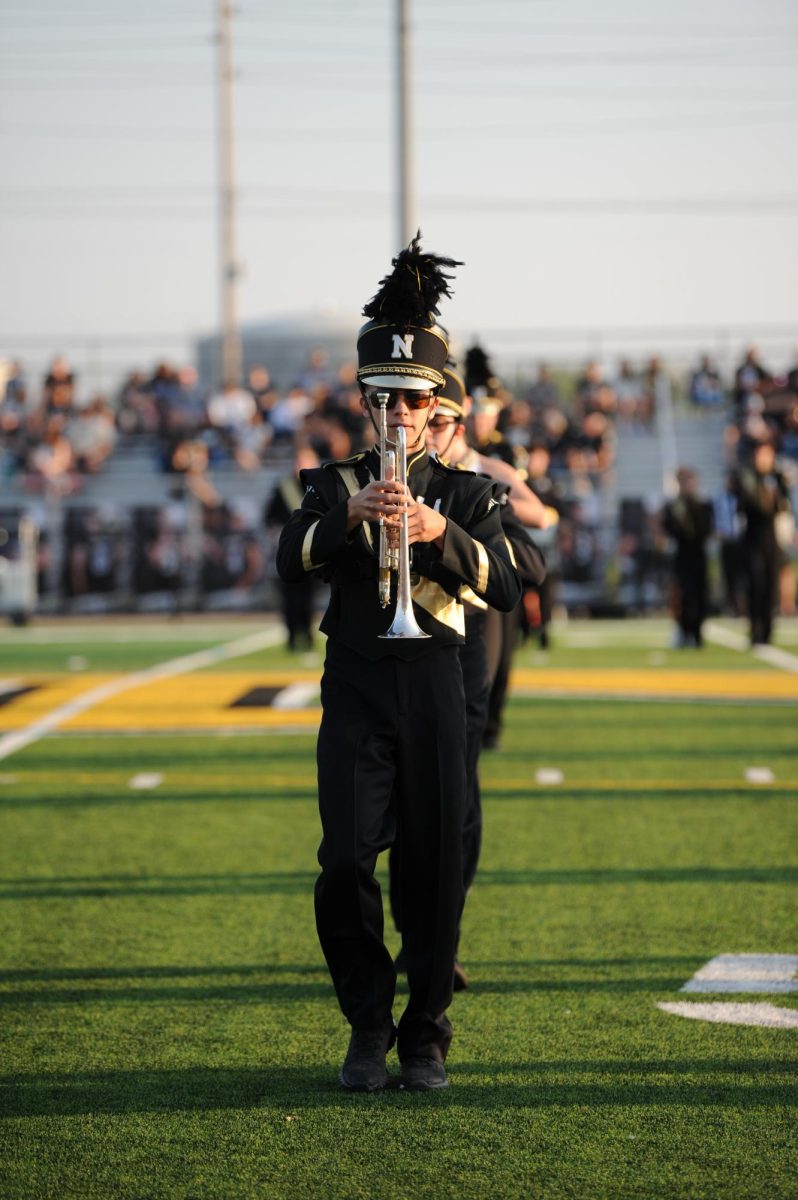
198, 702
709, 684
202, 700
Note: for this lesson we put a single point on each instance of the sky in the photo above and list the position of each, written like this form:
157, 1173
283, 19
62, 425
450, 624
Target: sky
632, 168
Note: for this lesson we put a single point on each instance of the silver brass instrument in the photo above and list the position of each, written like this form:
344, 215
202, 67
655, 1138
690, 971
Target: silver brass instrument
393, 465
388, 556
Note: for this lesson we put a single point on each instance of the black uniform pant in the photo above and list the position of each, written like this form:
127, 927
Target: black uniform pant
474, 664
297, 604
501, 639
690, 570
391, 763
761, 559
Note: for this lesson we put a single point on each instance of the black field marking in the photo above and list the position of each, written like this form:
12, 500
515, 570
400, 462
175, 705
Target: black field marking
258, 697
14, 694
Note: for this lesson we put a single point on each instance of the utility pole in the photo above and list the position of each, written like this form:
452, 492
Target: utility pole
229, 358
405, 181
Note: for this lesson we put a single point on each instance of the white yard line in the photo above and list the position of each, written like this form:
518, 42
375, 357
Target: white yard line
769, 1016
11, 742
773, 655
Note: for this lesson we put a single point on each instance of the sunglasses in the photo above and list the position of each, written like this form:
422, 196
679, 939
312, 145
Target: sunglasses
437, 424
413, 399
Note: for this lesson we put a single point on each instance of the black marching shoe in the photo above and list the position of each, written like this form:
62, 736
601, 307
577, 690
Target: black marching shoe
364, 1066
423, 1075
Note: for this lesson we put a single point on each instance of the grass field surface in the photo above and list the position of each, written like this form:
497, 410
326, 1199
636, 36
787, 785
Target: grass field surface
168, 1026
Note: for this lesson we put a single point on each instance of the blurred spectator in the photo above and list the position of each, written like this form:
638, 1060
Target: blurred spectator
544, 390
263, 390
51, 462
317, 373
231, 557
593, 393
191, 459
706, 389
58, 392
93, 547
161, 551
656, 391
13, 421
516, 425
751, 379
231, 410
485, 436
288, 414
251, 443
92, 434
137, 410
628, 392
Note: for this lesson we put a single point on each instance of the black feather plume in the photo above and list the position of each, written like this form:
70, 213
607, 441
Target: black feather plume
410, 294
478, 371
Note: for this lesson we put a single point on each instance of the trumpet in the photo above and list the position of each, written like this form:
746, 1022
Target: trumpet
393, 465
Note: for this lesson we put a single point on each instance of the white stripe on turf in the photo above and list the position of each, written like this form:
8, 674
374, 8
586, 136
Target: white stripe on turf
746, 973
166, 670
296, 695
768, 1015
774, 655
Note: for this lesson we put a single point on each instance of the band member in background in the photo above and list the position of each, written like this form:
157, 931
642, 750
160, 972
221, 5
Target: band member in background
763, 500
483, 386
446, 439
490, 454
689, 521
391, 749
297, 598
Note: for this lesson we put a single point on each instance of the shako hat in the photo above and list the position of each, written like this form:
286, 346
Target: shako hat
451, 398
402, 345
481, 382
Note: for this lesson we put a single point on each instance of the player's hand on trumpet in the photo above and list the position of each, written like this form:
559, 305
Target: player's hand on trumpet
424, 524
387, 500
380, 499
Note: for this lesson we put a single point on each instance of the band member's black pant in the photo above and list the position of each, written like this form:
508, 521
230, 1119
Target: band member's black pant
690, 570
474, 664
473, 660
501, 639
761, 558
391, 762
298, 599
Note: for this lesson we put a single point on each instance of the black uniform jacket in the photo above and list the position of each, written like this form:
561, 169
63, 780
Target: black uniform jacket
474, 555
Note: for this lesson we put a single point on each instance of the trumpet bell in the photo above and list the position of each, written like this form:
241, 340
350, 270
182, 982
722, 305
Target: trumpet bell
404, 625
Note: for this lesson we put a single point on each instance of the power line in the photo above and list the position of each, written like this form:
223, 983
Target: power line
502, 131
348, 204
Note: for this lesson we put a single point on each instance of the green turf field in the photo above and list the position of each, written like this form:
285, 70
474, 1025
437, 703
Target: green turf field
168, 1027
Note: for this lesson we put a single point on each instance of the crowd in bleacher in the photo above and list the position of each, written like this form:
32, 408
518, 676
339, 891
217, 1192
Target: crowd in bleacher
559, 429
53, 432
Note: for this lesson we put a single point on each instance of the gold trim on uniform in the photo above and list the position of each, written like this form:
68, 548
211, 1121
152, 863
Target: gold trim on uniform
468, 596
511, 552
438, 603
392, 368
353, 486
307, 542
484, 566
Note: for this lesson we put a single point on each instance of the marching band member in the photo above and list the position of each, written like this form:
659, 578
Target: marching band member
446, 438
391, 748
